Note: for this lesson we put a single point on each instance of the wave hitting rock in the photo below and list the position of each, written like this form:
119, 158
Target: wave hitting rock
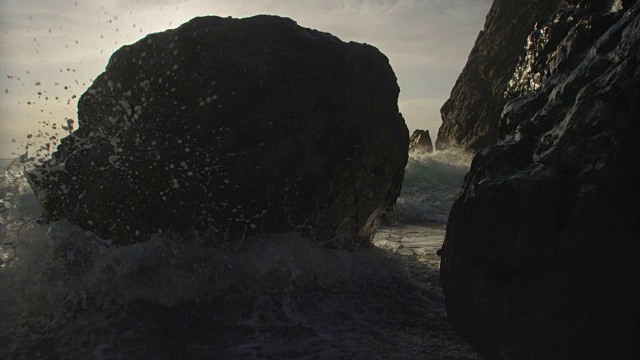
233, 127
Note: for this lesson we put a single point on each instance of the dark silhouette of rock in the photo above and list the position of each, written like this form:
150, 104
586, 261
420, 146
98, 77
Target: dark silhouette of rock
233, 127
541, 258
420, 141
470, 116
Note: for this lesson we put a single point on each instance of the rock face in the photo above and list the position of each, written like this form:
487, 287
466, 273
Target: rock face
470, 117
420, 141
542, 253
233, 127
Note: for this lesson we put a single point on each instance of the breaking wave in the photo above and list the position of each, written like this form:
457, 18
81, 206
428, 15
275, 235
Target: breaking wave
66, 291
432, 181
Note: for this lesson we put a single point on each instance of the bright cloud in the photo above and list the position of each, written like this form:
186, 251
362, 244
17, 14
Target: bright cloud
64, 44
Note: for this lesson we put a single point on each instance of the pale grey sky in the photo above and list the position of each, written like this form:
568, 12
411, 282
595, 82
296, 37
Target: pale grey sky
54, 48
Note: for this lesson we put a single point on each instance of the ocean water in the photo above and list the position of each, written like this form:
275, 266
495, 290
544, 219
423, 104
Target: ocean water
64, 293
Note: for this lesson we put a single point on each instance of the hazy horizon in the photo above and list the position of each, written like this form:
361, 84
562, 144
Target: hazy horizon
52, 50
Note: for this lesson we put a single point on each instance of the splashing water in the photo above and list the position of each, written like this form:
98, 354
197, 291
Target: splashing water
431, 184
65, 291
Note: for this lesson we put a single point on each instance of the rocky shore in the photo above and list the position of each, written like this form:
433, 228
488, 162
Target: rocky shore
541, 258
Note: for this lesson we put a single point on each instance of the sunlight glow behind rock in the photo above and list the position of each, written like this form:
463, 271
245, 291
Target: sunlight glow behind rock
51, 51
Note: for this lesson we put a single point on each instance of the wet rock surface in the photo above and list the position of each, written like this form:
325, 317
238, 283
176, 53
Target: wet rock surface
233, 127
420, 141
471, 115
541, 258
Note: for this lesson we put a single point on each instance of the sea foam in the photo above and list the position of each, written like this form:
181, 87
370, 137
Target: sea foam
432, 181
67, 291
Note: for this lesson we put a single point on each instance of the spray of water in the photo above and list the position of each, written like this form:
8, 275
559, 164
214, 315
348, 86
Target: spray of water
432, 182
66, 291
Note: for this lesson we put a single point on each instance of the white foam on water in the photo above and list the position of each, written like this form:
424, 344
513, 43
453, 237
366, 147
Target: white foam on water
67, 291
431, 184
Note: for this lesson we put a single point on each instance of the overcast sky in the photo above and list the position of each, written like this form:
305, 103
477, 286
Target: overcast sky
54, 48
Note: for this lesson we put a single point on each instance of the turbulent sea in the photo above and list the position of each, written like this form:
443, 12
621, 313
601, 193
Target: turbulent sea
64, 293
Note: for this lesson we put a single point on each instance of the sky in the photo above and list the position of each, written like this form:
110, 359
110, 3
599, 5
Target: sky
53, 49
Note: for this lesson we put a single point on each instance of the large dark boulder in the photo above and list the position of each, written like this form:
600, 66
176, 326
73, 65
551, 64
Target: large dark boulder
420, 142
233, 127
470, 116
542, 253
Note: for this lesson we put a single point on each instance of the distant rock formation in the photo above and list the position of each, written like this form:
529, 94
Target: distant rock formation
233, 127
542, 253
420, 141
470, 116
